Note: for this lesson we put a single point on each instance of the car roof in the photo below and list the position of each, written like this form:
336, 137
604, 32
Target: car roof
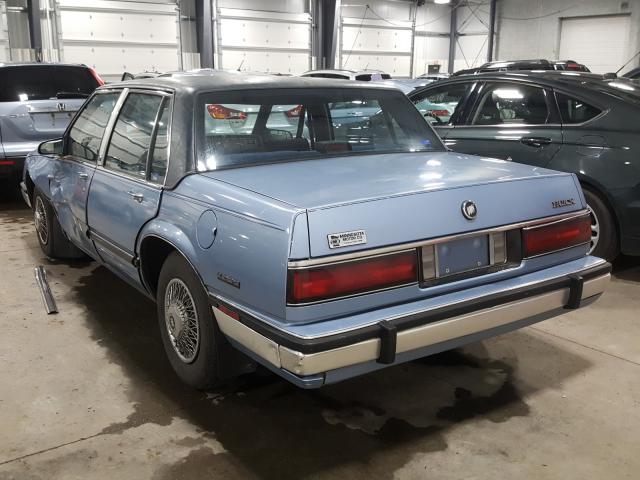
214, 80
569, 80
41, 64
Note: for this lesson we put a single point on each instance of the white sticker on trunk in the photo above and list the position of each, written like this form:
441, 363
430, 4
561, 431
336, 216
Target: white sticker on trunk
346, 239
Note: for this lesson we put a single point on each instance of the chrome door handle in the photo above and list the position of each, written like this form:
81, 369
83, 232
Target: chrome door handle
138, 197
83, 175
536, 142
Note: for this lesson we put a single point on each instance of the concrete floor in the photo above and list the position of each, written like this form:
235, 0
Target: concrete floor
88, 394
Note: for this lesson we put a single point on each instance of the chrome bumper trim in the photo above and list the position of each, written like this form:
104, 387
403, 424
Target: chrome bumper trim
407, 340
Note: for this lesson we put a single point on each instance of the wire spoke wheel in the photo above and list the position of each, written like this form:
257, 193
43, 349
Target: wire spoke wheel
181, 320
40, 220
595, 230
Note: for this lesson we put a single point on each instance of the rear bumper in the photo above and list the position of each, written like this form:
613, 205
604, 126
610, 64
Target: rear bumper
314, 361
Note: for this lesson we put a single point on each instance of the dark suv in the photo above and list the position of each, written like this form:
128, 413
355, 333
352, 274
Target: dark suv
37, 101
571, 121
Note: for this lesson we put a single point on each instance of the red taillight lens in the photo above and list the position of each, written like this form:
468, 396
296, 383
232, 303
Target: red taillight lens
439, 113
556, 236
220, 112
294, 112
95, 75
331, 281
7, 162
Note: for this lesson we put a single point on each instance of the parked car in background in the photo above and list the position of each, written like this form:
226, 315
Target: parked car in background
633, 74
321, 254
361, 75
37, 101
537, 64
569, 121
433, 76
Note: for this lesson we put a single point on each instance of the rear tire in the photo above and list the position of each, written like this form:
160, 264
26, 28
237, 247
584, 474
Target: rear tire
190, 334
53, 242
604, 234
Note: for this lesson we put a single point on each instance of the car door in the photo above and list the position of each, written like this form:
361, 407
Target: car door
510, 121
443, 105
69, 183
126, 188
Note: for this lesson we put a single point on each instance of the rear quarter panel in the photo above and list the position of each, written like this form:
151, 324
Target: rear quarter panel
252, 240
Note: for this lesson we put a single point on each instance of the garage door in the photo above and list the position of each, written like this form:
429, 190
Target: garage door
264, 41
117, 36
601, 43
373, 44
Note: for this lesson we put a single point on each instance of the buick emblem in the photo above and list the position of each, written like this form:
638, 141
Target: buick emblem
469, 210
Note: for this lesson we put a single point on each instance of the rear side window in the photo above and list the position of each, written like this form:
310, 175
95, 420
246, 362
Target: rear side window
509, 103
131, 138
438, 105
574, 111
43, 82
85, 136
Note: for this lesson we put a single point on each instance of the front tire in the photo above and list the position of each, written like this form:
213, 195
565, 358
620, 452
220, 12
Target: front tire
53, 242
604, 235
191, 338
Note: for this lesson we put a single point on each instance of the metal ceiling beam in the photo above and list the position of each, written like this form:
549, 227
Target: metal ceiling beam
35, 28
492, 29
204, 28
453, 37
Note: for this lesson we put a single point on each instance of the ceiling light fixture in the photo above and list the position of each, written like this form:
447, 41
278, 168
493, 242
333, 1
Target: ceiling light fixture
441, 2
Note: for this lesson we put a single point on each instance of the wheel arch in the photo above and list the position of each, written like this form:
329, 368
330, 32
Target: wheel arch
597, 188
154, 248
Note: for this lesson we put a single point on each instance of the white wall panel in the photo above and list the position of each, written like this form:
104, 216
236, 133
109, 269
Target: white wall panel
430, 51
118, 59
599, 42
115, 36
110, 26
376, 45
264, 41
532, 29
4, 34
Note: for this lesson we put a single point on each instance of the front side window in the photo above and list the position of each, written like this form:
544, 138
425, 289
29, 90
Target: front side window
509, 103
245, 128
438, 105
85, 136
131, 138
574, 111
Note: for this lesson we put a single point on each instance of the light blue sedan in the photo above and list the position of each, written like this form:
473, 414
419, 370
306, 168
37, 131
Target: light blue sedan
318, 247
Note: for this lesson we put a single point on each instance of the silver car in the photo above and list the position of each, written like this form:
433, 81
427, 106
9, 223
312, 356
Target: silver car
37, 102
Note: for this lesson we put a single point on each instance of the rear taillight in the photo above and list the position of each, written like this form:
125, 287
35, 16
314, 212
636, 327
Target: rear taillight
220, 112
439, 113
97, 77
294, 112
341, 279
7, 162
556, 236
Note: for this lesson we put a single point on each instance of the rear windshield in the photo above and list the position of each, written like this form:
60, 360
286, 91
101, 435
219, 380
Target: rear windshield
42, 82
260, 127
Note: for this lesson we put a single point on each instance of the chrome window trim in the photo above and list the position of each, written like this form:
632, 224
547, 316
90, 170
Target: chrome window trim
346, 257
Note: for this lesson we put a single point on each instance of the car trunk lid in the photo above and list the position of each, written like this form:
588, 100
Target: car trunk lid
391, 199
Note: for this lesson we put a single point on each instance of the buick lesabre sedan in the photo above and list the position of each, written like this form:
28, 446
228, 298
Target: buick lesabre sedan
318, 248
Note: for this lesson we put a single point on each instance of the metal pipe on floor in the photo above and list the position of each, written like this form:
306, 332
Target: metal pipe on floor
45, 291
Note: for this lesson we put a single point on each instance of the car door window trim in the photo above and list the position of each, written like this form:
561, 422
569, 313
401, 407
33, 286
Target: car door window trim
106, 140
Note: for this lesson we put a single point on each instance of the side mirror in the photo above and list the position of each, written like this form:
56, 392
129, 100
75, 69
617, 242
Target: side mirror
51, 147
